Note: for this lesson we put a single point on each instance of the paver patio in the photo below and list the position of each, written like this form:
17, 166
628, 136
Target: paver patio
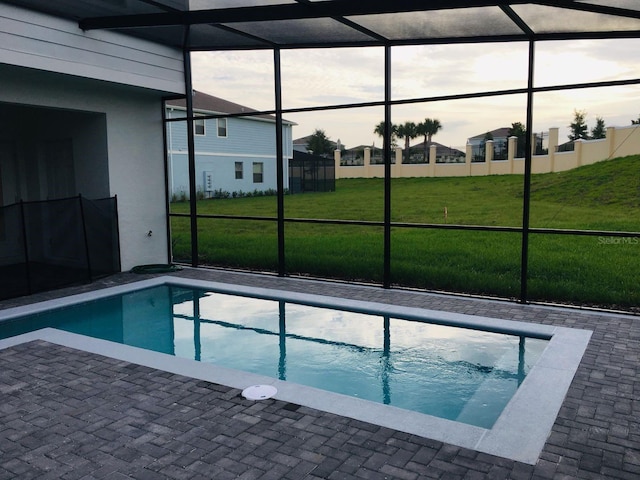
70, 414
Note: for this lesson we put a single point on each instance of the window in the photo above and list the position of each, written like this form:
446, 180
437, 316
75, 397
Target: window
258, 168
198, 126
222, 127
239, 173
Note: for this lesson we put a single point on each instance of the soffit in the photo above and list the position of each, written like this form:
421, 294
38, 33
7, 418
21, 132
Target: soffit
255, 24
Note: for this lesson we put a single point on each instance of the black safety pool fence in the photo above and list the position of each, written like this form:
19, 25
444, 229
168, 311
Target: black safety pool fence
311, 173
54, 243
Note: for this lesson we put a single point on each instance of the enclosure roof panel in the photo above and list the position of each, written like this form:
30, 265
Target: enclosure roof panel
628, 4
461, 23
255, 24
549, 19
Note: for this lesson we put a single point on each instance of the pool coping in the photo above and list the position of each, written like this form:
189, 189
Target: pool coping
519, 433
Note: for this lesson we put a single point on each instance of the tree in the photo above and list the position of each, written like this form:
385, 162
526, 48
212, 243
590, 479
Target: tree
428, 128
408, 131
578, 127
379, 130
636, 122
517, 130
319, 143
599, 131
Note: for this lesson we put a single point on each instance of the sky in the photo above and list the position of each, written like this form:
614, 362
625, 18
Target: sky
319, 77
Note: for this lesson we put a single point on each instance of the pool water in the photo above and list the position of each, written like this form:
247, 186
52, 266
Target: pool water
453, 373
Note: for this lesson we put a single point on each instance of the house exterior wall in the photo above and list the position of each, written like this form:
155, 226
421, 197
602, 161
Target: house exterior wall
137, 176
248, 140
44, 42
116, 80
132, 168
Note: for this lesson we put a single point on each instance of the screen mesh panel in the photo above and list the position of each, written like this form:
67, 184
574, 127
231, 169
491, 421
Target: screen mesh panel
54, 243
299, 23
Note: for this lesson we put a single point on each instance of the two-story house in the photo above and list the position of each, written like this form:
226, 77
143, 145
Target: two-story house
233, 154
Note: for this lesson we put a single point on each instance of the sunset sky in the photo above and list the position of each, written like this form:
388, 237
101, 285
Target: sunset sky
350, 75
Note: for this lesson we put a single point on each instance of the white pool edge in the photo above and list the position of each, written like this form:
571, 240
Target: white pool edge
519, 433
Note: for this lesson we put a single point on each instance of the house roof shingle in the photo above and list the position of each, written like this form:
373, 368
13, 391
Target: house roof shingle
203, 102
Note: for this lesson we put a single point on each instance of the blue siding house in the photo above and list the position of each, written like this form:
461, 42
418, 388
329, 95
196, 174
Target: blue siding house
236, 154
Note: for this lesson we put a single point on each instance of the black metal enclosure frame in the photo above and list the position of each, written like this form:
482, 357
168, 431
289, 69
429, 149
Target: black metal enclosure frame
314, 24
387, 224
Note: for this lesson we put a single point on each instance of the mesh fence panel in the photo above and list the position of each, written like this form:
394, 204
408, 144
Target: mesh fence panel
311, 173
101, 226
54, 243
14, 279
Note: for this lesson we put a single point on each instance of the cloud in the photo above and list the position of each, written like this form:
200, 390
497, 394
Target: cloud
244, 77
320, 77
313, 77
614, 51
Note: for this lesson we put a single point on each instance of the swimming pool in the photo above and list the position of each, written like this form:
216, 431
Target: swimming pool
460, 374
407, 358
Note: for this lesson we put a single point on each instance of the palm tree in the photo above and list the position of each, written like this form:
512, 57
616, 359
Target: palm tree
408, 131
428, 128
379, 130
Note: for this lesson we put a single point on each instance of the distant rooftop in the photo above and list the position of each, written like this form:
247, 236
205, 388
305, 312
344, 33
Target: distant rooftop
204, 102
304, 141
441, 150
502, 132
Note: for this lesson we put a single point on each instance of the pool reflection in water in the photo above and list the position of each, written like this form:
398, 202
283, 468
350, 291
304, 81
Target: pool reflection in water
453, 373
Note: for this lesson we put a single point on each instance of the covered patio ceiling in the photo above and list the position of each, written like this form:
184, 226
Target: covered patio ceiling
268, 24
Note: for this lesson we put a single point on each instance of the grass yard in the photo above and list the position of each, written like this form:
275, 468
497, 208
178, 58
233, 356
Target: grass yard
577, 269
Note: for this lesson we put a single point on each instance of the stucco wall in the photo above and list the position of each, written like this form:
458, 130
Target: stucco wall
619, 142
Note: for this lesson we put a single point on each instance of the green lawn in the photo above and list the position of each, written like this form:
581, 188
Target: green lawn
583, 270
